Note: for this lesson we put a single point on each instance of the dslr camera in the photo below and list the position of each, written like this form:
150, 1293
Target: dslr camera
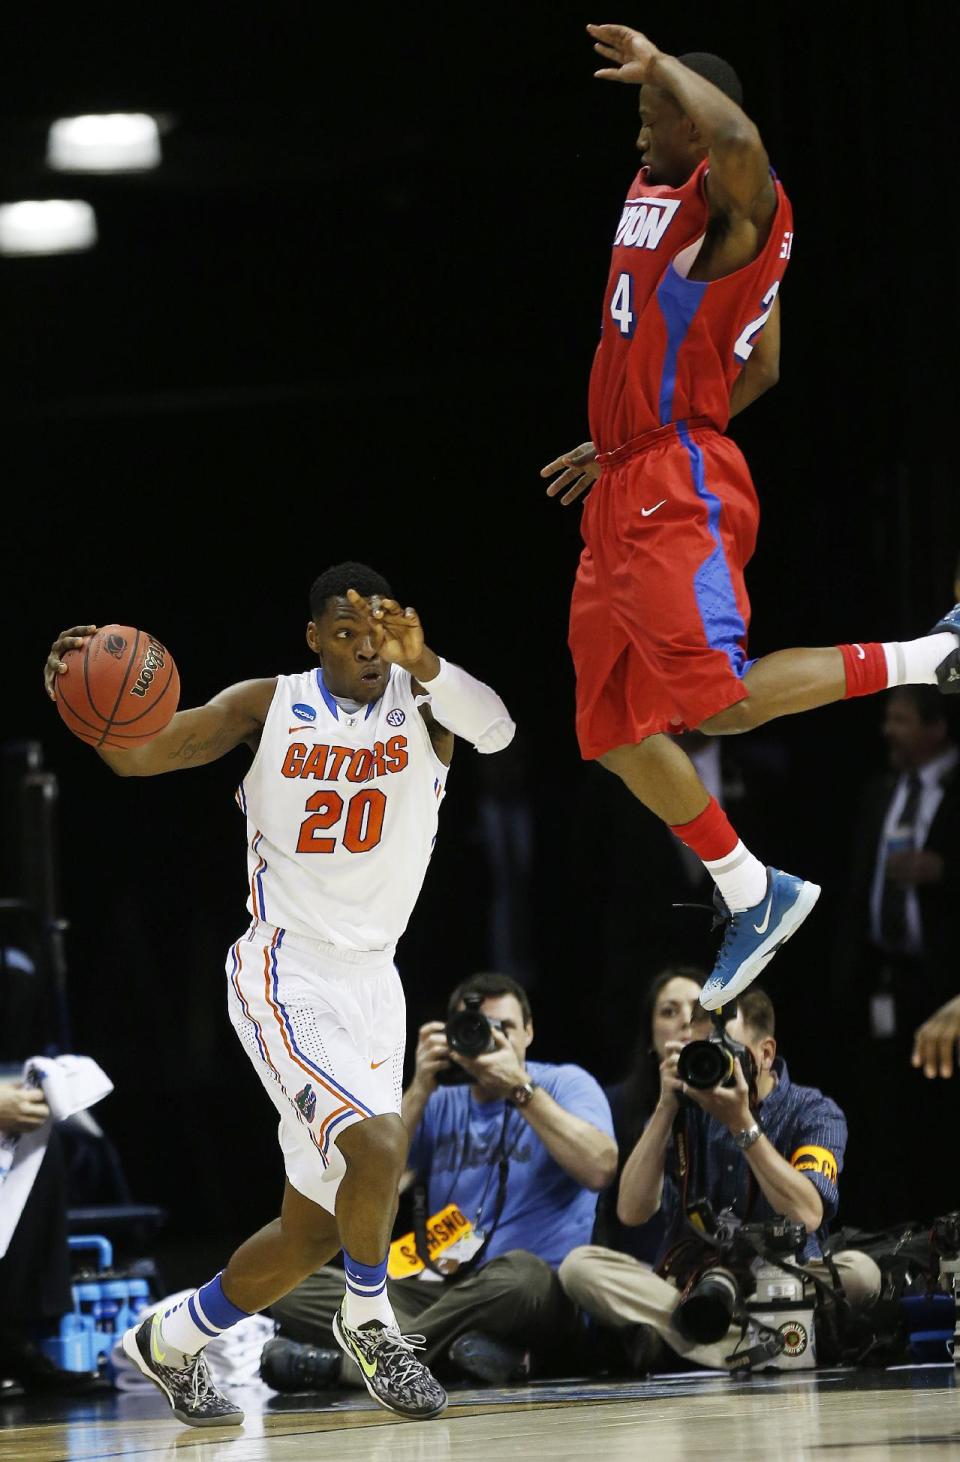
470, 1034
712, 1062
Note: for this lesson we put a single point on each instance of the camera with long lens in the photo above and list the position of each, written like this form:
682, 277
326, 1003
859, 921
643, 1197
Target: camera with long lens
706, 1309
470, 1033
712, 1062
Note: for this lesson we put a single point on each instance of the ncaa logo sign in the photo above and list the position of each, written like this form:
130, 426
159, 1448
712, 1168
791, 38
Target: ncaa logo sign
304, 713
396, 717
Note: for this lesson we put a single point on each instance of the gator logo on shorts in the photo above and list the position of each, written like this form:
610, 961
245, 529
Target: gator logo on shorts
306, 1102
115, 645
304, 713
396, 717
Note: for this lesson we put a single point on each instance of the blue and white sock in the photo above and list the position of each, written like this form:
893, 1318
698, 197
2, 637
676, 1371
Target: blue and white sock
366, 1296
198, 1319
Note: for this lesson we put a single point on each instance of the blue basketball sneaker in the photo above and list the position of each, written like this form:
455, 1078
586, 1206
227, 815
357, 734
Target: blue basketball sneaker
753, 936
948, 671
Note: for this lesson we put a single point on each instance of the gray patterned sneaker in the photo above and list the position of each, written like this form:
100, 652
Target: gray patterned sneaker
390, 1368
193, 1397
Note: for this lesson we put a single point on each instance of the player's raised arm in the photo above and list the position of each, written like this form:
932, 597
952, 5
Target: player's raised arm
739, 183
191, 738
459, 703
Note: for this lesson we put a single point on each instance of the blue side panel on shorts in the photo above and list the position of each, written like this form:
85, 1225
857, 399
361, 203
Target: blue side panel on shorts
722, 621
679, 299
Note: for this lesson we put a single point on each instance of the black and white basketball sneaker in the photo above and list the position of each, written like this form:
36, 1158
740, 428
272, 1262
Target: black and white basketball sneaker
948, 671
193, 1397
391, 1370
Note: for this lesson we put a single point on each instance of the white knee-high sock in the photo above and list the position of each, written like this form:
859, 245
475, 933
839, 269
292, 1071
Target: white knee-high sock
914, 662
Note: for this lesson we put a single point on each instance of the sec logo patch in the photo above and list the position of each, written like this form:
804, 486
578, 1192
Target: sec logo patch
304, 713
396, 717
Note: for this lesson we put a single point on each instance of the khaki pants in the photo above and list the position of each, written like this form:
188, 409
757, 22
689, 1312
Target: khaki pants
516, 1298
617, 1290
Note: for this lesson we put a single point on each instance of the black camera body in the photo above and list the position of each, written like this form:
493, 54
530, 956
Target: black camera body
706, 1064
470, 1033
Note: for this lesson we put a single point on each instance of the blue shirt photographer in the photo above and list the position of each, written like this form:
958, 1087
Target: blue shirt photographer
806, 1127
457, 1149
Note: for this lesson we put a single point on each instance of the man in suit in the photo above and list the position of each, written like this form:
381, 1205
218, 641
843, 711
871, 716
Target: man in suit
895, 954
895, 942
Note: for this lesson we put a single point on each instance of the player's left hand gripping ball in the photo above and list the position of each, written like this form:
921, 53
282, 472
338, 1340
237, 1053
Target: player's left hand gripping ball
120, 687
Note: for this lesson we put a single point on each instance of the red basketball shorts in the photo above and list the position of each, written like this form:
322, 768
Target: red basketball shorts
659, 617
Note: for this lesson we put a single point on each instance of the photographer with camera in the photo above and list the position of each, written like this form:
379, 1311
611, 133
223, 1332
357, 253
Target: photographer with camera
507, 1159
732, 1141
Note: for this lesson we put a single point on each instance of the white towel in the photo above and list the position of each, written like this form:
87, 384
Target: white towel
70, 1084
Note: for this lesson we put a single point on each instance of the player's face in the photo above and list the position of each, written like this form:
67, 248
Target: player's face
664, 138
672, 1013
352, 668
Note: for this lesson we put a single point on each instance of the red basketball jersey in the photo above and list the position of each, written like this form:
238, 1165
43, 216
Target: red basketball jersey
672, 347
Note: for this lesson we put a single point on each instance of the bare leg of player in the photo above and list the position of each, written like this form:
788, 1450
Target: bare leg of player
782, 684
274, 1260
375, 1153
765, 904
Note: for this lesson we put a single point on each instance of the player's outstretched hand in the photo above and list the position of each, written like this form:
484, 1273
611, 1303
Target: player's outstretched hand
396, 633
630, 51
68, 639
937, 1042
578, 472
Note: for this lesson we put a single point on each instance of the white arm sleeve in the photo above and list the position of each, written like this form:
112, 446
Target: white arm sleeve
469, 708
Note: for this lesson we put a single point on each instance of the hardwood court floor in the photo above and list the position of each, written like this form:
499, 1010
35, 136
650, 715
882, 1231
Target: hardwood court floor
895, 1415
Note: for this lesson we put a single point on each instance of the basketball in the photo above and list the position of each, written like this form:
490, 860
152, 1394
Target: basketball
120, 689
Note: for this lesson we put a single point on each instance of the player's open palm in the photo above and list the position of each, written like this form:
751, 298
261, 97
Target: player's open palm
630, 51
578, 472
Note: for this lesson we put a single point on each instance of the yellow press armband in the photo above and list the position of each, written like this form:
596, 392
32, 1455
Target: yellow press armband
815, 1160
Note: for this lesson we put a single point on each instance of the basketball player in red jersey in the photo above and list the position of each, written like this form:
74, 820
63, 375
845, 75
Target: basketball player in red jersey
658, 622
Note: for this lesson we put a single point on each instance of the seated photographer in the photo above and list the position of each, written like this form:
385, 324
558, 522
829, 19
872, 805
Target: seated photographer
665, 1015
518, 1152
743, 1144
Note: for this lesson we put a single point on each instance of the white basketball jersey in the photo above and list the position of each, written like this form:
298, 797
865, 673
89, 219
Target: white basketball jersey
341, 812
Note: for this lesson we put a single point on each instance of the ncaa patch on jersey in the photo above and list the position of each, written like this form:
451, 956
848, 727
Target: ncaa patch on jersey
304, 713
396, 717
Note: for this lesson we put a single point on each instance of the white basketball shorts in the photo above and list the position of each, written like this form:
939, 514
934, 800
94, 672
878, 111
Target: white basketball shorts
325, 1029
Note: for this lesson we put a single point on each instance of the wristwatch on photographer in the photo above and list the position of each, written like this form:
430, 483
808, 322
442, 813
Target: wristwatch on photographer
747, 1137
521, 1095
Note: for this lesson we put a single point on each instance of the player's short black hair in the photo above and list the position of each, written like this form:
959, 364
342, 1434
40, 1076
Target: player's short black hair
490, 984
334, 582
715, 69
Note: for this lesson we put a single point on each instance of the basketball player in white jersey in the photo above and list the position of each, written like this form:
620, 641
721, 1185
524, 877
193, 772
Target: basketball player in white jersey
350, 761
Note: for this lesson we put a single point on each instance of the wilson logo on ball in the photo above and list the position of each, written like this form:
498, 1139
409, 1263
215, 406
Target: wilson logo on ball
153, 661
115, 645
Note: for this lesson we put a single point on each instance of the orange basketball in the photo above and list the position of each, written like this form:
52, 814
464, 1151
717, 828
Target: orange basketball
120, 689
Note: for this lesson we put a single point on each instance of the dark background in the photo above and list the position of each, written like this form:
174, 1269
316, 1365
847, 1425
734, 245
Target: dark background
351, 316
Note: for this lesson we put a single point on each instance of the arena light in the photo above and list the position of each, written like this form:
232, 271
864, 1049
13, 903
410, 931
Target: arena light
47, 226
112, 142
